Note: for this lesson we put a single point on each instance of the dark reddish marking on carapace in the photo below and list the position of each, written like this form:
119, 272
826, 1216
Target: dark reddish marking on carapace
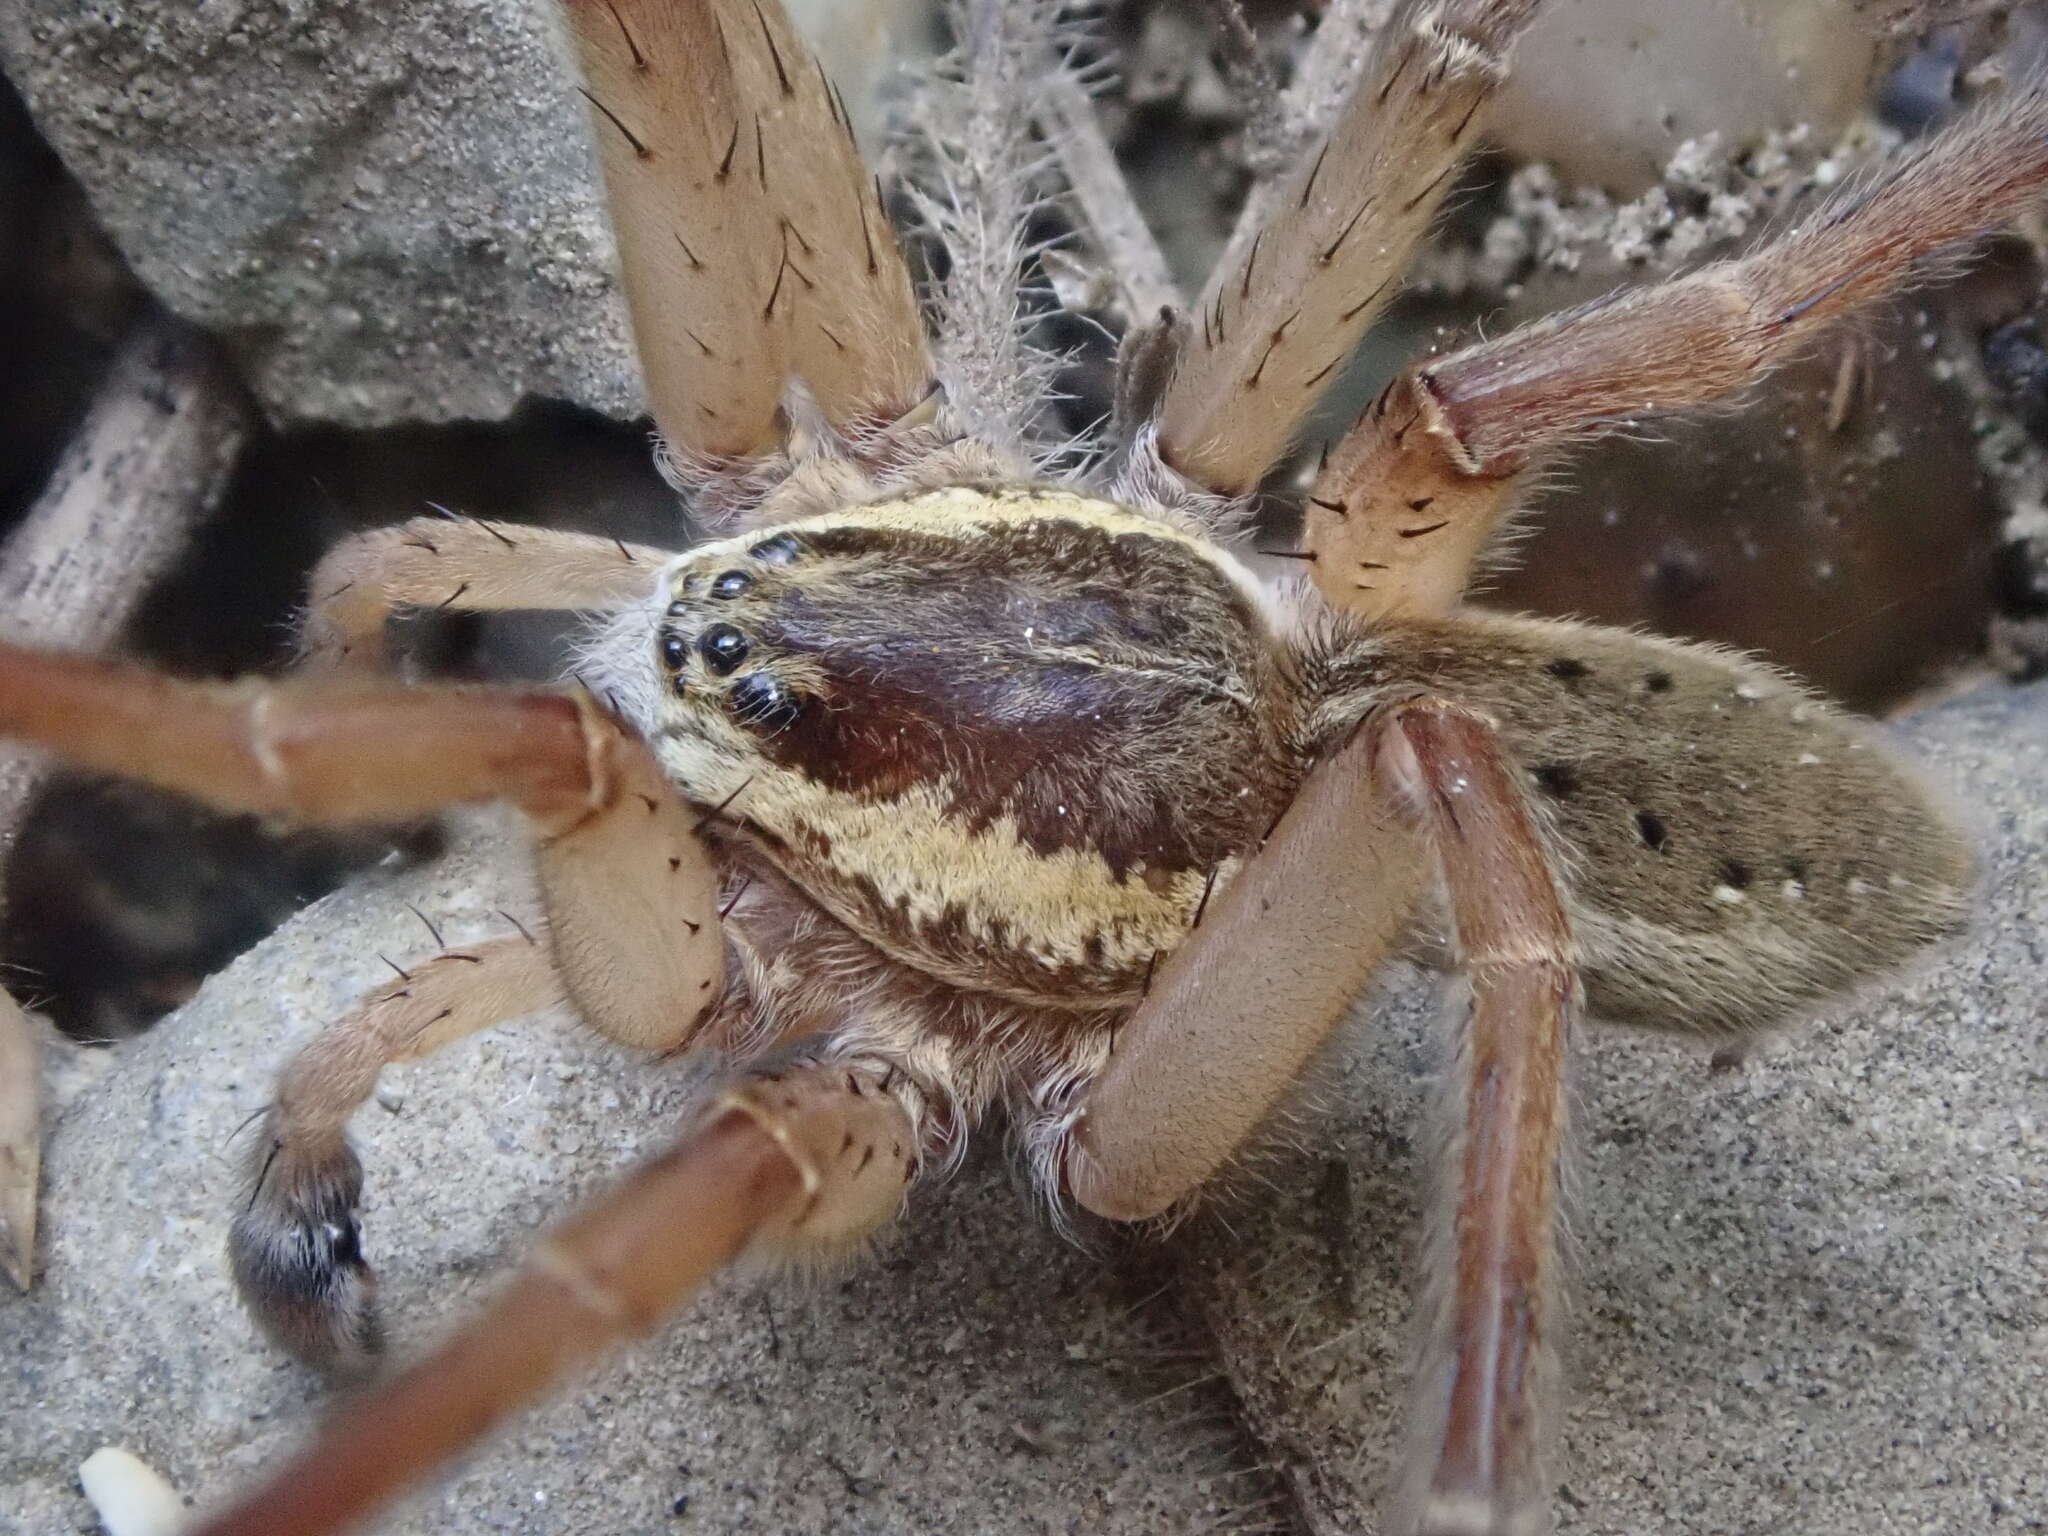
1026, 667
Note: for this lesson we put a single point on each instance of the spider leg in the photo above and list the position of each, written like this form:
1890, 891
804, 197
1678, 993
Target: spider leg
752, 241
463, 564
296, 1247
1422, 784
1483, 1410
1419, 487
1268, 333
1217, 1043
810, 1158
629, 890
622, 871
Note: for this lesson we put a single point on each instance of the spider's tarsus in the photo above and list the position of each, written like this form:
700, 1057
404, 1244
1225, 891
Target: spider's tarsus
296, 1252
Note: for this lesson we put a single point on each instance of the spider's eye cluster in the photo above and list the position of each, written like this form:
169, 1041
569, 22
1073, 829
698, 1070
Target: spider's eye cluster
757, 699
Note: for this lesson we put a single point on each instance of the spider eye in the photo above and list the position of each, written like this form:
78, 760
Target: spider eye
723, 648
677, 610
780, 550
731, 583
761, 699
673, 651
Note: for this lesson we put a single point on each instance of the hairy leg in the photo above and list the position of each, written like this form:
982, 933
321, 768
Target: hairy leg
1421, 785
808, 1159
1483, 1409
464, 564
629, 889
752, 240
1217, 1043
1269, 332
296, 1247
1419, 487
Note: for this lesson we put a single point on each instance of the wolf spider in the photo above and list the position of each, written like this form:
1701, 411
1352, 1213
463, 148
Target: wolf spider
940, 787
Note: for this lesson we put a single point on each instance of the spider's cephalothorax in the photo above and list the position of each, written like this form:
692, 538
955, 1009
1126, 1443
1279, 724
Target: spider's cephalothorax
941, 788
1010, 736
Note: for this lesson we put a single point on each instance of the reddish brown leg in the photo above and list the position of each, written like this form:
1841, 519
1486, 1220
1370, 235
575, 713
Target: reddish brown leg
815, 1157
1218, 1042
1483, 1411
630, 894
1420, 486
622, 871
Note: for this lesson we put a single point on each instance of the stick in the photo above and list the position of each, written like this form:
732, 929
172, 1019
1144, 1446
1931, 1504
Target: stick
146, 466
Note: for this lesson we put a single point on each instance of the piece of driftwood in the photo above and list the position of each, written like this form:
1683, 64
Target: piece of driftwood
1144, 283
147, 464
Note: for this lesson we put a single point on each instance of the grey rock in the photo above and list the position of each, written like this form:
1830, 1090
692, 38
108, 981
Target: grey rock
1809, 1291
976, 1374
391, 211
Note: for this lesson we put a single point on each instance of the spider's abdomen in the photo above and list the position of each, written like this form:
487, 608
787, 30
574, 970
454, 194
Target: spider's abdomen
1008, 736
1737, 849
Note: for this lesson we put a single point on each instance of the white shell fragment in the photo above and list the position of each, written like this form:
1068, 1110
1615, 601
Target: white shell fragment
130, 1495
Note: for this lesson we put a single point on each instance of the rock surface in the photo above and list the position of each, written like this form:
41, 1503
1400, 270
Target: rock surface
978, 1375
1810, 1290
390, 210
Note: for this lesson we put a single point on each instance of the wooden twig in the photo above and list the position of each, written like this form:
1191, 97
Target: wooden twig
21, 1152
1067, 118
148, 463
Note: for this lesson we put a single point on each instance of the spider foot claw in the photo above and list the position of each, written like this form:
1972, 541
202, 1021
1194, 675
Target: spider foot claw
296, 1250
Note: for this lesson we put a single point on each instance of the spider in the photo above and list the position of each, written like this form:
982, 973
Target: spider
938, 787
